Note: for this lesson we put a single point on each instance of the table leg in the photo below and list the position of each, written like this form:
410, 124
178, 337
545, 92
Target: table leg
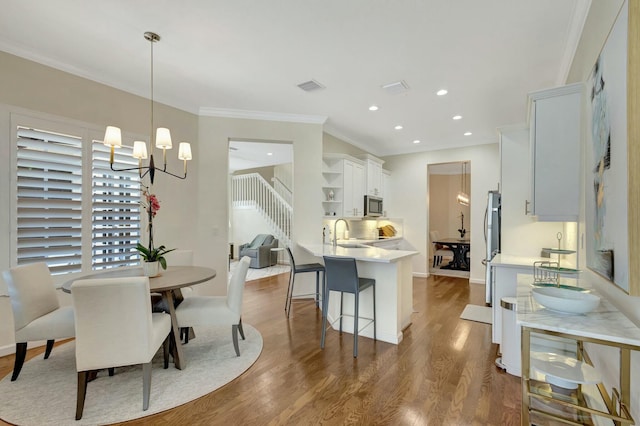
178, 356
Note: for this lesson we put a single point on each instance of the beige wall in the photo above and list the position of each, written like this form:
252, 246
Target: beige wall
213, 219
334, 145
444, 209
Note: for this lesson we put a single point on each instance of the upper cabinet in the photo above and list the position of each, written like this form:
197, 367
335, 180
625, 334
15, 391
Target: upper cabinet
554, 125
343, 186
353, 189
375, 182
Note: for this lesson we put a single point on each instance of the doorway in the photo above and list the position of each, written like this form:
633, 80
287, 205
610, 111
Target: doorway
260, 191
449, 194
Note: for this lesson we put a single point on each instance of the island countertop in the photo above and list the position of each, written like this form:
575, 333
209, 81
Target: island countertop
364, 254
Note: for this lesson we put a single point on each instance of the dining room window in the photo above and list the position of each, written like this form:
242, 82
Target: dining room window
115, 208
49, 199
72, 211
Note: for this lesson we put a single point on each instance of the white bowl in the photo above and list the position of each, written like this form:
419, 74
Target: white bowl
565, 301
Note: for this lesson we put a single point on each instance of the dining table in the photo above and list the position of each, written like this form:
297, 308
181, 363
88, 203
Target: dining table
460, 247
168, 285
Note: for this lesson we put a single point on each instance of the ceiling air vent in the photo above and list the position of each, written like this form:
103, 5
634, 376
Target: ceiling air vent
310, 85
396, 87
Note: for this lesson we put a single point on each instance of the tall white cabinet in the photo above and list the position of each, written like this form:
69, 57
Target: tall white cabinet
375, 179
343, 186
554, 124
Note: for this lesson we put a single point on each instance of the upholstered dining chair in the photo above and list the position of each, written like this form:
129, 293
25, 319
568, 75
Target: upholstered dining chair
114, 328
37, 314
342, 276
439, 251
218, 310
299, 269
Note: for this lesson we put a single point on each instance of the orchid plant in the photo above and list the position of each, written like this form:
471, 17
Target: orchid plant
151, 253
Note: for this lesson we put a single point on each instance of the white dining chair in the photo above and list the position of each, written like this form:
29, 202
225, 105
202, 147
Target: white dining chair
439, 251
37, 314
114, 328
218, 310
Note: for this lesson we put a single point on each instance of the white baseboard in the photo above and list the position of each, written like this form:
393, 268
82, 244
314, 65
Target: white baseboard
476, 281
421, 274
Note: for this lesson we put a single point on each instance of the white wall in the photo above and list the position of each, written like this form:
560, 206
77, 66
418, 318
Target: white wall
409, 198
598, 24
522, 235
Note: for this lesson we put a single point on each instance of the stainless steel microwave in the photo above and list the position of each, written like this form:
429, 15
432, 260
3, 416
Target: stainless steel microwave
372, 206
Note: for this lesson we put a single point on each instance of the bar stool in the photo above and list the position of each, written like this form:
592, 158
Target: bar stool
342, 276
299, 269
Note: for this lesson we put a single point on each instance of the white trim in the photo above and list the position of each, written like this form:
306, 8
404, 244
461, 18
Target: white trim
580, 13
420, 274
262, 115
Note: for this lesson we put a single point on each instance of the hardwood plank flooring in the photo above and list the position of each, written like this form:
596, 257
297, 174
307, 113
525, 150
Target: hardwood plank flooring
443, 372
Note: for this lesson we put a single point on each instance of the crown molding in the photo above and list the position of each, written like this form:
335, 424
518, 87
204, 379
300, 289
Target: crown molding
262, 115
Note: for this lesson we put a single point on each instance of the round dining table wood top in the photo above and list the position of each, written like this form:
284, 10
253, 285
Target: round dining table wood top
172, 278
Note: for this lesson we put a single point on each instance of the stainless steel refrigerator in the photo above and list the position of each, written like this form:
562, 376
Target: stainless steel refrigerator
491, 237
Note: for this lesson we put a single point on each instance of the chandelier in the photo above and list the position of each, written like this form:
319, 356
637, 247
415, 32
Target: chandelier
113, 139
463, 197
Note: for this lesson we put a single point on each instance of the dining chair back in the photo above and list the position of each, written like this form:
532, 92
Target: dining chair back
439, 251
37, 314
115, 327
218, 310
342, 276
300, 269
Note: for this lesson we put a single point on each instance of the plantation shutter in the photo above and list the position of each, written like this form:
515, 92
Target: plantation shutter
115, 224
49, 199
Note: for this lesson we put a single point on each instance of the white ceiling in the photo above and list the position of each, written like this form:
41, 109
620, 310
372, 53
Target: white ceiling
250, 155
246, 57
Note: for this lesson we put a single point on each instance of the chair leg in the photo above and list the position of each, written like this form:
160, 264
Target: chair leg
325, 305
21, 353
287, 303
234, 335
374, 312
165, 352
82, 393
341, 294
184, 331
146, 385
317, 288
240, 329
434, 261
355, 324
47, 351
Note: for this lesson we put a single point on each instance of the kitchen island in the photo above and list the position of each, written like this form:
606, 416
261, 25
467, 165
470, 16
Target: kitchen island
394, 288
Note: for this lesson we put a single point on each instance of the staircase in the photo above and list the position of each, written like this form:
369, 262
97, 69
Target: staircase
251, 190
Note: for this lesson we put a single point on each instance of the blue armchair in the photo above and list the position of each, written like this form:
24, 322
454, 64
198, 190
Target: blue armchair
259, 250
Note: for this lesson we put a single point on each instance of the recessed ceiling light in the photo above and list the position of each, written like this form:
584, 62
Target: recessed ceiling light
468, 133
457, 117
441, 92
398, 127
416, 141
269, 153
373, 108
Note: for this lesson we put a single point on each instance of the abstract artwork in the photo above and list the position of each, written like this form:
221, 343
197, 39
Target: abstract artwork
606, 159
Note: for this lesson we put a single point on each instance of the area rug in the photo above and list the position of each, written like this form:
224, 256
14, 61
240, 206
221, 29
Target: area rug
45, 393
477, 313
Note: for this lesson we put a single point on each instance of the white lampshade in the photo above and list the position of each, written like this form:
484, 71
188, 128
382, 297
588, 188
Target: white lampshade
139, 150
113, 137
163, 138
184, 151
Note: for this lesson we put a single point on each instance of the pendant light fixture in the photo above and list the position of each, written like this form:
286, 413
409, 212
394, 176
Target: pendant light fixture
463, 197
113, 139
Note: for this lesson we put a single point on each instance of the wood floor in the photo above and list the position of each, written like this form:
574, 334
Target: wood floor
443, 373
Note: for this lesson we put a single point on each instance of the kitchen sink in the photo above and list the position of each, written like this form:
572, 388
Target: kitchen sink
353, 245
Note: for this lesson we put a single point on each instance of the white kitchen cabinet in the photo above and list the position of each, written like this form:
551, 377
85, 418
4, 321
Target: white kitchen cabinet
353, 189
332, 186
374, 183
554, 125
386, 192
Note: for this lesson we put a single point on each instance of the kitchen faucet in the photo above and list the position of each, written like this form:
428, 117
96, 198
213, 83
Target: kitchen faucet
335, 226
